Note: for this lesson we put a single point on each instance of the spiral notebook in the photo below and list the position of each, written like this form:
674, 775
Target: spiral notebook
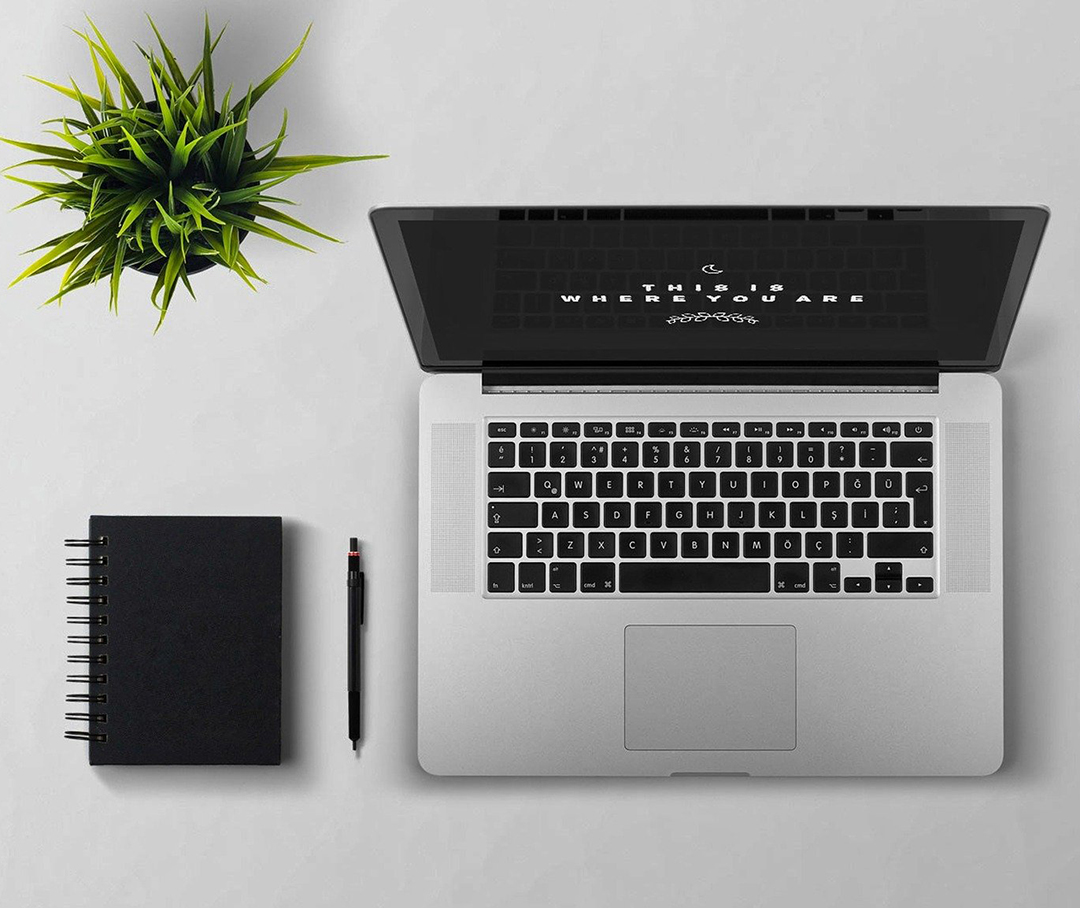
183, 646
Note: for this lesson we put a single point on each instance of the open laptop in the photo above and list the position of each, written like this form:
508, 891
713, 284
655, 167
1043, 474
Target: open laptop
710, 490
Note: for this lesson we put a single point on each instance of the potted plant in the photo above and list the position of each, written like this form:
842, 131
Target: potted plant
167, 182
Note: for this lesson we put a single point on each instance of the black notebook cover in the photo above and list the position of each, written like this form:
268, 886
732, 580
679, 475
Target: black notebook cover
193, 640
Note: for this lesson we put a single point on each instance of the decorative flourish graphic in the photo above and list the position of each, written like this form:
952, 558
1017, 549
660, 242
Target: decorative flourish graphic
735, 318
712, 269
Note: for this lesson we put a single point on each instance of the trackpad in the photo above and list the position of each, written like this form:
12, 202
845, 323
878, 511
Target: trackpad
710, 687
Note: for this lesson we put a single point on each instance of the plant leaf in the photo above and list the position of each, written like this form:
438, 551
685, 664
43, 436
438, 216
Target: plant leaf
170, 60
113, 63
153, 166
56, 151
208, 67
272, 214
263, 87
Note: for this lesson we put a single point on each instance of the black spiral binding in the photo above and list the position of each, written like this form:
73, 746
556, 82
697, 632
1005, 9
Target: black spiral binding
95, 641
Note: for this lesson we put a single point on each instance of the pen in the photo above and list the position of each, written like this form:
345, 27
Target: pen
356, 622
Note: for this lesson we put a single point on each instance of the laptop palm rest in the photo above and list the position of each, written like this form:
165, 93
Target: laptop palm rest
710, 687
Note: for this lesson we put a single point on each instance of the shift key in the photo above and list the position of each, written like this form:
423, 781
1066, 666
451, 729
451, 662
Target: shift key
900, 545
512, 513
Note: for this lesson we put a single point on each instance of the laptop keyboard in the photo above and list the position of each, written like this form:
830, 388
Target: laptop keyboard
704, 507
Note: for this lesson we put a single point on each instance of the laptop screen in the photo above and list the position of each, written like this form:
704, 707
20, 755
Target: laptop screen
647, 287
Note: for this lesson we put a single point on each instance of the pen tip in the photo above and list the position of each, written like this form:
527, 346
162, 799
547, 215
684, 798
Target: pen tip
354, 544
355, 745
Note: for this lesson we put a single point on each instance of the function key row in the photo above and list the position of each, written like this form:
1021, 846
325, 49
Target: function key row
701, 429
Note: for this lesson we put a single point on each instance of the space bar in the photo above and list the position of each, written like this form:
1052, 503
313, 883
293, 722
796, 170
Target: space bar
694, 577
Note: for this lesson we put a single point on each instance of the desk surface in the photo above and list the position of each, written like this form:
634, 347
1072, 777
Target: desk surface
301, 401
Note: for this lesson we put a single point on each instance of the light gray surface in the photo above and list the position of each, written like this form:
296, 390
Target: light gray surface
301, 401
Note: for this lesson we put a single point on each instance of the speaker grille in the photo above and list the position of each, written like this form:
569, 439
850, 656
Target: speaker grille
968, 502
453, 507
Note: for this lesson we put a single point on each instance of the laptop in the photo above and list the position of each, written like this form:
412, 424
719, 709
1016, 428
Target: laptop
710, 491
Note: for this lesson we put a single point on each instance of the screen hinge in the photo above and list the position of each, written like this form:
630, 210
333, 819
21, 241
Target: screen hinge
826, 379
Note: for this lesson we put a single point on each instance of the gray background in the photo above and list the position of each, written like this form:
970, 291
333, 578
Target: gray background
301, 401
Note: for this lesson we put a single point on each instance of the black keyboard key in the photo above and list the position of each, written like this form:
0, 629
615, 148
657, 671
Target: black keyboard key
586, 514
500, 454
827, 577
639, 485
598, 430
892, 569
687, 453
757, 545
788, 545
679, 514
795, 485
562, 577
920, 584
780, 454
733, 485
872, 454
532, 454
834, 514
918, 429
911, 454
503, 514
617, 514
710, 514
740, 514
647, 514
702, 485
695, 545
758, 430
564, 454
764, 485
601, 545
725, 545
609, 485
717, 454
888, 585
771, 514
811, 454
555, 514
895, 514
566, 430
500, 577
547, 485
632, 545
854, 429
501, 430
792, 578
539, 545
920, 489
508, 485
624, 454
578, 485
594, 454
532, 577
570, 545
597, 577
656, 454
822, 430
534, 430
671, 485
630, 429
841, 453
726, 430
802, 514
900, 545
748, 454
694, 577
826, 484
857, 585
887, 485
849, 545
504, 545
790, 430
661, 430
663, 545
886, 430
864, 514
819, 545
857, 485
694, 429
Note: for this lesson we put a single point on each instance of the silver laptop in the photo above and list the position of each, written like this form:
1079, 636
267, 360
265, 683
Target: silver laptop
710, 490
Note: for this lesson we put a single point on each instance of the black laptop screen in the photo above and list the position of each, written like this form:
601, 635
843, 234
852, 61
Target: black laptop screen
691, 286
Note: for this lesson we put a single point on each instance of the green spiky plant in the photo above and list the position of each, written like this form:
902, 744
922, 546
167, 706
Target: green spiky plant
167, 182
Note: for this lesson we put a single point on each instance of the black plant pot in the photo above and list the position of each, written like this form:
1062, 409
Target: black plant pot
193, 264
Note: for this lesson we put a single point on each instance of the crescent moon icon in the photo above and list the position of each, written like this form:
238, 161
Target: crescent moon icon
712, 269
